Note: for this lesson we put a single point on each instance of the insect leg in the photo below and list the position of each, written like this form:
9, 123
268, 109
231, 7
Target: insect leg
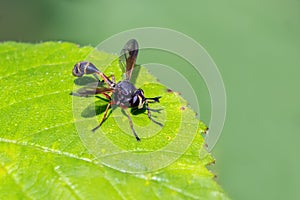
149, 116
131, 125
106, 79
102, 81
107, 96
103, 118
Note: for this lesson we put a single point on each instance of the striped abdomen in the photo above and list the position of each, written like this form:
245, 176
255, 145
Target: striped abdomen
82, 68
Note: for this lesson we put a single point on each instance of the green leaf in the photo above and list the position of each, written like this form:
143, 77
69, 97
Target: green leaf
47, 150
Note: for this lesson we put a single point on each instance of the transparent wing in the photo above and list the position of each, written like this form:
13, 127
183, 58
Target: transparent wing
92, 89
128, 57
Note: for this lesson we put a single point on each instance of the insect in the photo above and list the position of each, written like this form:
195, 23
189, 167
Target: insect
123, 94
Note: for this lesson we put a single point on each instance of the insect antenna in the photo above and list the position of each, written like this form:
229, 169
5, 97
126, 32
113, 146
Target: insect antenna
153, 99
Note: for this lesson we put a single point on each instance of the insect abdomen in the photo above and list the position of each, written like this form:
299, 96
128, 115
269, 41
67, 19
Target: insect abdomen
82, 68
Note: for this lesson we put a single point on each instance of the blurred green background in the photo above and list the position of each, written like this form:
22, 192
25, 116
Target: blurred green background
256, 45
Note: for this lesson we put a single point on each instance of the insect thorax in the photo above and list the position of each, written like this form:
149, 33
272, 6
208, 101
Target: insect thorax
123, 93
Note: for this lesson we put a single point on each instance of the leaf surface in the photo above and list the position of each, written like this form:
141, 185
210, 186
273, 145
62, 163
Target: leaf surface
47, 150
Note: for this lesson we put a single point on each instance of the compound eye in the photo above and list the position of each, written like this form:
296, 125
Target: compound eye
135, 101
141, 92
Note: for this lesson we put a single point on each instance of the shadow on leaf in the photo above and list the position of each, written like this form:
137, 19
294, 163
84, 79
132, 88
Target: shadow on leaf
94, 109
84, 80
136, 111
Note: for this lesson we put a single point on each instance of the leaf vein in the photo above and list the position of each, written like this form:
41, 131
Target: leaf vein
15, 181
34, 67
45, 129
68, 183
31, 98
46, 149
168, 186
